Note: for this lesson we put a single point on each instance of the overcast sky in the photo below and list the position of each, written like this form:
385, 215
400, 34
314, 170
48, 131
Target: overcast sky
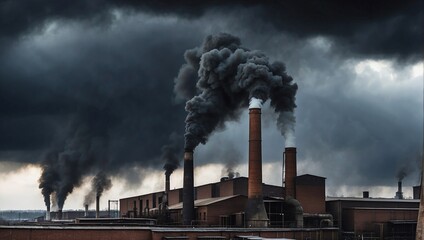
96, 79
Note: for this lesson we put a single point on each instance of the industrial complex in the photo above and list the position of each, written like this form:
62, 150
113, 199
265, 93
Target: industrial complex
238, 208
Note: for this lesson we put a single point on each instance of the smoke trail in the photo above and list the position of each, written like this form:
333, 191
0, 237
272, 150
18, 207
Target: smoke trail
402, 173
48, 180
230, 75
232, 156
83, 149
99, 184
171, 153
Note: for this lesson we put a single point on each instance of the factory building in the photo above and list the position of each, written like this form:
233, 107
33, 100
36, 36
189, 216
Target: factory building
374, 217
299, 204
223, 203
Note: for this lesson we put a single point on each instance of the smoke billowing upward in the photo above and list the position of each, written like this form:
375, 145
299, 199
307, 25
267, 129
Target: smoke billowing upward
232, 156
229, 76
113, 64
64, 166
402, 173
48, 179
231, 173
171, 153
99, 184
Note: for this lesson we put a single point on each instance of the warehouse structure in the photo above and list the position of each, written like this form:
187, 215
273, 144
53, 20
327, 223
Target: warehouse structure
374, 217
223, 203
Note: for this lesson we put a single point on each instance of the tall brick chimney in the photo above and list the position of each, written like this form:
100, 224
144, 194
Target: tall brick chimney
255, 210
97, 206
290, 172
188, 188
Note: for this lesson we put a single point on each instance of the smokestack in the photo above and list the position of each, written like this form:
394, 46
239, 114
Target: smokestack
48, 213
290, 172
399, 193
366, 194
59, 214
167, 182
97, 206
255, 210
416, 192
86, 210
188, 188
167, 187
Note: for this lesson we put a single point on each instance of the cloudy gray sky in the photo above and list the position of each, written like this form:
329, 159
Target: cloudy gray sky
92, 83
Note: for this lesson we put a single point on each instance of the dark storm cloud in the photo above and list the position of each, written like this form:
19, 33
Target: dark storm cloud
378, 28
91, 102
84, 71
365, 126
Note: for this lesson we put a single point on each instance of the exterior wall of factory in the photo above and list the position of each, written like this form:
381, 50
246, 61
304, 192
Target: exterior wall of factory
175, 196
207, 191
373, 216
144, 233
224, 188
140, 205
217, 213
360, 220
310, 192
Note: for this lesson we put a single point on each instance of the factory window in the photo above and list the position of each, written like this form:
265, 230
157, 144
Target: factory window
147, 203
160, 200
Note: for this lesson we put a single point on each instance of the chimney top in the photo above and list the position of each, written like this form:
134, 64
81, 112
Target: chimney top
255, 103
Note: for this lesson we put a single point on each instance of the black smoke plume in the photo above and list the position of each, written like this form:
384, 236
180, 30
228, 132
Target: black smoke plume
229, 76
94, 69
99, 184
84, 148
48, 180
171, 153
402, 173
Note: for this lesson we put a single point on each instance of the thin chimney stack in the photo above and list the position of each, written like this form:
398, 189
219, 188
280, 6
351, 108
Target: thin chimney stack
188, 188
167, 182
86, 210
399, 193
97, 206
48, 213
59, 214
